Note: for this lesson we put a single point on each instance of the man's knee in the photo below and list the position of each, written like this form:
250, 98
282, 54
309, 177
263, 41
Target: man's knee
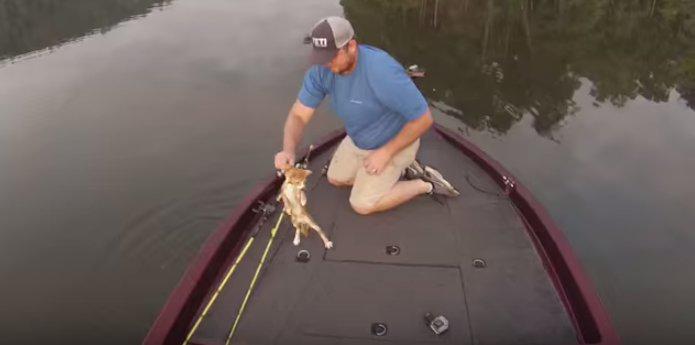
362, 206
339, 183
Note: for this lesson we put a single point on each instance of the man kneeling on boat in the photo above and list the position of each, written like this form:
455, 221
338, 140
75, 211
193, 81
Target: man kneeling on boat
384, 115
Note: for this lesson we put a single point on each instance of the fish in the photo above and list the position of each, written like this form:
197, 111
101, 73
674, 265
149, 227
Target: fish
294, 205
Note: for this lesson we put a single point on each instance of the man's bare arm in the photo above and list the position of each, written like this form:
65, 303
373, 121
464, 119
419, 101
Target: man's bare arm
298, 117
410, 132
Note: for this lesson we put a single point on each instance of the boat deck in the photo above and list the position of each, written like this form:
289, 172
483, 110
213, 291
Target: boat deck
336, 296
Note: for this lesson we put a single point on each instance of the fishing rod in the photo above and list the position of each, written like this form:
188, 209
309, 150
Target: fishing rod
265, 209
242, 308
305, 161
253, 280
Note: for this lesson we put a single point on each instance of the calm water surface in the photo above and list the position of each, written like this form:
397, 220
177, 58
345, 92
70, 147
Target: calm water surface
130, 129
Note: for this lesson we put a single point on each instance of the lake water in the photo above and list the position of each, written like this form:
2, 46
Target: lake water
129, 129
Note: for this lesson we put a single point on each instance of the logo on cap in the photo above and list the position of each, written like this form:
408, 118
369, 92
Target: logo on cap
320, 42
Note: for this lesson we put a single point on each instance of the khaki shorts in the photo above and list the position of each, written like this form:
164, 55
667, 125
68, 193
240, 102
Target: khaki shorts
346, 167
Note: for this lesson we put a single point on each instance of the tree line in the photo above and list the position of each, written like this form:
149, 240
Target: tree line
29, 25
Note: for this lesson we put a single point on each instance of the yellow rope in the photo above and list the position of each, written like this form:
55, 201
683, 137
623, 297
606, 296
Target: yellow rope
253, 281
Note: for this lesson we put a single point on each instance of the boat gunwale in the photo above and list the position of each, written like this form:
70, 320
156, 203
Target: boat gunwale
577, 292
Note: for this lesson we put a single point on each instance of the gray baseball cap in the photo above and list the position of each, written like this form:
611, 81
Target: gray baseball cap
327, 36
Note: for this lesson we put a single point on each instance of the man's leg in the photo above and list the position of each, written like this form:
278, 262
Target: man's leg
339, 183
342, 169
401, 192
375, 193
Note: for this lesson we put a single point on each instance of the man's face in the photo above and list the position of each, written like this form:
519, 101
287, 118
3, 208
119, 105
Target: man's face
343, 60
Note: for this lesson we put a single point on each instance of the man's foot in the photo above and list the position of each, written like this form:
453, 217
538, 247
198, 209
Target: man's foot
440, 186
414, 171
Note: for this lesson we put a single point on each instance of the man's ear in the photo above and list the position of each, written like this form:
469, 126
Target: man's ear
352, 45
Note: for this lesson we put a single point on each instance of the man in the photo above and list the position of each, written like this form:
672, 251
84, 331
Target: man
384, 115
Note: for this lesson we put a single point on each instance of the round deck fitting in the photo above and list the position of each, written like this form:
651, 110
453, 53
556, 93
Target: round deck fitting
479, 263
379, 329
303, 255
393, 250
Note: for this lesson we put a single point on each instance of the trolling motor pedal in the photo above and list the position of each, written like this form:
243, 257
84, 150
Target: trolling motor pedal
438, 324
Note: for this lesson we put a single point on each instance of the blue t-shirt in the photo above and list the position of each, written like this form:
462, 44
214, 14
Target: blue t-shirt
375, 101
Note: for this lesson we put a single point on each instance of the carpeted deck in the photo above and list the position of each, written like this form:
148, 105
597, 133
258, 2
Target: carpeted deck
336, 296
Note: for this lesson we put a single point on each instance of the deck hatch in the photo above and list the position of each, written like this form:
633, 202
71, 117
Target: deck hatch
357, 294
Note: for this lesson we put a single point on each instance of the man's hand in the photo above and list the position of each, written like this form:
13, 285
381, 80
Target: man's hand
377, 161
284, 160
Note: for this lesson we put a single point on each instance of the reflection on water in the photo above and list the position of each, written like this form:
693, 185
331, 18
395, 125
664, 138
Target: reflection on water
495, 60
120, 153
29, 25
160, 235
